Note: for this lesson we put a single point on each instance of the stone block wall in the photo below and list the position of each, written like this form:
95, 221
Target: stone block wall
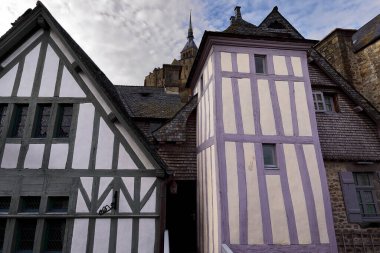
361, 69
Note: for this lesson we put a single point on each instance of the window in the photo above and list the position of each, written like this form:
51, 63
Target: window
30, 204
269, 154
5, 202
64, 116
3, 115
260, 63
25, 232
42, 120
365, 194
18, 122
54, 235
57, 204
325, 102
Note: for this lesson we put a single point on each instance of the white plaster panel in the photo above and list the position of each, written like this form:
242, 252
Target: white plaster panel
79, 238
28, 72
316, 186
129, 183
209, 66
225, 60
243, 63
87, 185
103, 184
297, 194
268, 125
33, 159
297, 66
62, 47
199, 127
146, 183
228, 107
49, 73
138, 151
232, 192
81, 206
10, 155
303, 118
244, 85
209, 198
104, 150
124, 236
279, 63
283, 95
83, 138
106, 201
125, 160
7, 82
102, 235
207, 107
150, 205
123, 204
69, 86
147, 235
211, 94
26, 44
58, 156
255, 225
279, 222
95, 92
203, 120
205, 75
204, 197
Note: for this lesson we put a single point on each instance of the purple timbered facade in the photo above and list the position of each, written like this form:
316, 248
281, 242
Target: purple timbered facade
261, 179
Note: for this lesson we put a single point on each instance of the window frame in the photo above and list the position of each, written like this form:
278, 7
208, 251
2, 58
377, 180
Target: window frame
361, 190
38, 119
265, 67
59, 120
331, 97
274, 165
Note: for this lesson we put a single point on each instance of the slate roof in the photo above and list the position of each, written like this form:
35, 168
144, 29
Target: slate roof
41, 17
367, 34
149, 102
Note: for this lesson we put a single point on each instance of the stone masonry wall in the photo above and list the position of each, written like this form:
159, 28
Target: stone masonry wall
349, 234
361, 69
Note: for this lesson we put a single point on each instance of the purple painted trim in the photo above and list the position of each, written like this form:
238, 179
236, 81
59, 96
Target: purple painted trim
320, 248
276, 108
289, 66
263, 76
293, 235
293, 109
208, 143
221, 153
243, 206
263, 50
321, 168
270, 65
308, 192
263, 193
236, 98
268, 138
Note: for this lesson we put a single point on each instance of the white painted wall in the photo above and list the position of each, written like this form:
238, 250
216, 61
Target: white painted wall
129, 183
297, 66
83, 138
62, 47
81, 206
228, 107
279, 65
49, 73
246, 106
7, 82
28, 72
147, 235
124, 160
124, 236
243, 63
102, 235
79, 238
33, 159
69, 86
10, 155
226, 62
303, 119
104, 150
268, 125
283, 95
58, 156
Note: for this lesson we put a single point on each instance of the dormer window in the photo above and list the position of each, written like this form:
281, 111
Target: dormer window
325, 102
276, 25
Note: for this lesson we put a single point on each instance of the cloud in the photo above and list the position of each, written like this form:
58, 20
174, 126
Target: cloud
129, 38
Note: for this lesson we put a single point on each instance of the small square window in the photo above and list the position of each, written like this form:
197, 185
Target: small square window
18, 121
64, 116
269, 153
54, 235
3, 115
260, 64
29, 204
5, 202
57, 204
25, 233
42, 120
325, 102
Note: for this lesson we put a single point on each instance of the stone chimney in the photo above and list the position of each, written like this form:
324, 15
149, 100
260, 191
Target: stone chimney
237, 13
232, 20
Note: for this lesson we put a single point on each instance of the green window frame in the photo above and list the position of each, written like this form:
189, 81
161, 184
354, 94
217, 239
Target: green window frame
365, 194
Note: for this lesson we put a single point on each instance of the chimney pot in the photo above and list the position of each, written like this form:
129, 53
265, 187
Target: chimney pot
237, 13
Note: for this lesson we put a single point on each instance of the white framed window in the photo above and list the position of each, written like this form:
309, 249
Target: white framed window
325, 102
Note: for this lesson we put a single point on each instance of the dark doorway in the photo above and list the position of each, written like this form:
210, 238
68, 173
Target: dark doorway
181, 217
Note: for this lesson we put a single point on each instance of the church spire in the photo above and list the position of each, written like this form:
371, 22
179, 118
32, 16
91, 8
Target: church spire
190, 35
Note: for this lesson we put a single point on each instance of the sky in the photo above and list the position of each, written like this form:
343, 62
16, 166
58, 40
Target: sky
129, 38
